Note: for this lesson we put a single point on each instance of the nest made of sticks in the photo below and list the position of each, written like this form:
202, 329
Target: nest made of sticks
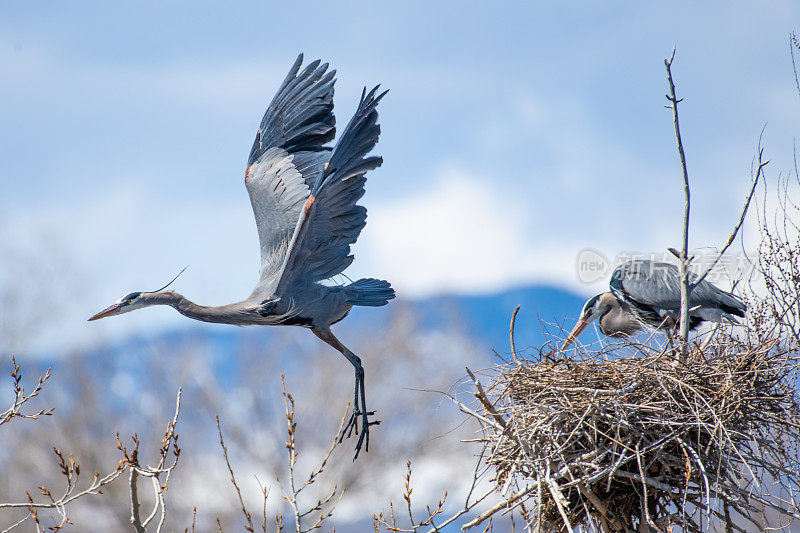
628, 439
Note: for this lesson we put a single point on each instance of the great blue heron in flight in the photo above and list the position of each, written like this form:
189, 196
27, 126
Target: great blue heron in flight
648, 293
304, 196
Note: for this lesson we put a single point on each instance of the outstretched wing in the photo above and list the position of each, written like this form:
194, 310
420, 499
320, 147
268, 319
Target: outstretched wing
658, 285
287, 154
331, 220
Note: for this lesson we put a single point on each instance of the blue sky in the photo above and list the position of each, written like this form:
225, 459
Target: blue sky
514, 135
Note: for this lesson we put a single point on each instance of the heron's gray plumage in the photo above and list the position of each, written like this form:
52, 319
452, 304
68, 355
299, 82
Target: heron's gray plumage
300, 117
657, 285
304, 196
288, 154
617, 319
321, 246
647, 293
277, 193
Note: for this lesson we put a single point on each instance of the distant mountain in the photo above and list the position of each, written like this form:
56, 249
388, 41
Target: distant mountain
487, 317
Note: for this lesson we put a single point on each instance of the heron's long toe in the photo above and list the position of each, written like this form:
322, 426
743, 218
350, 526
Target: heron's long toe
363, 438
352, 424
352, 427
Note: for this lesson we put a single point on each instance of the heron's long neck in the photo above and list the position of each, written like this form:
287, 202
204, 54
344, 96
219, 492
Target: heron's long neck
619, 322
224, 314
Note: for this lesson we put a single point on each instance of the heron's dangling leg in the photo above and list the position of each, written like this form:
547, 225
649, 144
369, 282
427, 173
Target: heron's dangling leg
359, 406
359, 394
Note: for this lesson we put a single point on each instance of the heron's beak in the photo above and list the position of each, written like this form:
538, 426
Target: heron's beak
579, 327
108, 311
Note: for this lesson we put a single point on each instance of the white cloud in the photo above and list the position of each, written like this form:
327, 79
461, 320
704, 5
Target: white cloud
461, 234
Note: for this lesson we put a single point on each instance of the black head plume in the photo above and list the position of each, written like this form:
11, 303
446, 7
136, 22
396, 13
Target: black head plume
172, 280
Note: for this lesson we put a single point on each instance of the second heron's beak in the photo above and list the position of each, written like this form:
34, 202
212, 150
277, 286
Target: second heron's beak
579, 327
108, 311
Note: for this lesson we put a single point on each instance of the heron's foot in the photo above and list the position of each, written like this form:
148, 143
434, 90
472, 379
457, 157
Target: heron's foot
352, 424
363, 435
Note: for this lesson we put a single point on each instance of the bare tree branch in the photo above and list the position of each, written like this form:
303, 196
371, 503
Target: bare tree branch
684, 253
245, 512
511, 332
20, 398
759, 172
794, 43
304, 520
155, 474
136, 520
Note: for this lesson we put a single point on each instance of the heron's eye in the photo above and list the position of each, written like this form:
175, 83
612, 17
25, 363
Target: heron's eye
128, 302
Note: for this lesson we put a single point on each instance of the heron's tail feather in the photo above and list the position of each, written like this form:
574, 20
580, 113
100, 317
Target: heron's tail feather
737, 309
369, 292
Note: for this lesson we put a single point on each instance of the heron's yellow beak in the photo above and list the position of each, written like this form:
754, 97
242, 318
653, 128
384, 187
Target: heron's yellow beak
108, 311
579, 327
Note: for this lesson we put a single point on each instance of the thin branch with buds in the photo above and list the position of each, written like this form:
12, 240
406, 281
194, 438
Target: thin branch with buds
67, 464
71, 471
158, 475
245, 512
318, 510
21, 398
304, 520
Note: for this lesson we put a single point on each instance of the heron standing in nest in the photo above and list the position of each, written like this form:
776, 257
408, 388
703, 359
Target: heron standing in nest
647, 293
